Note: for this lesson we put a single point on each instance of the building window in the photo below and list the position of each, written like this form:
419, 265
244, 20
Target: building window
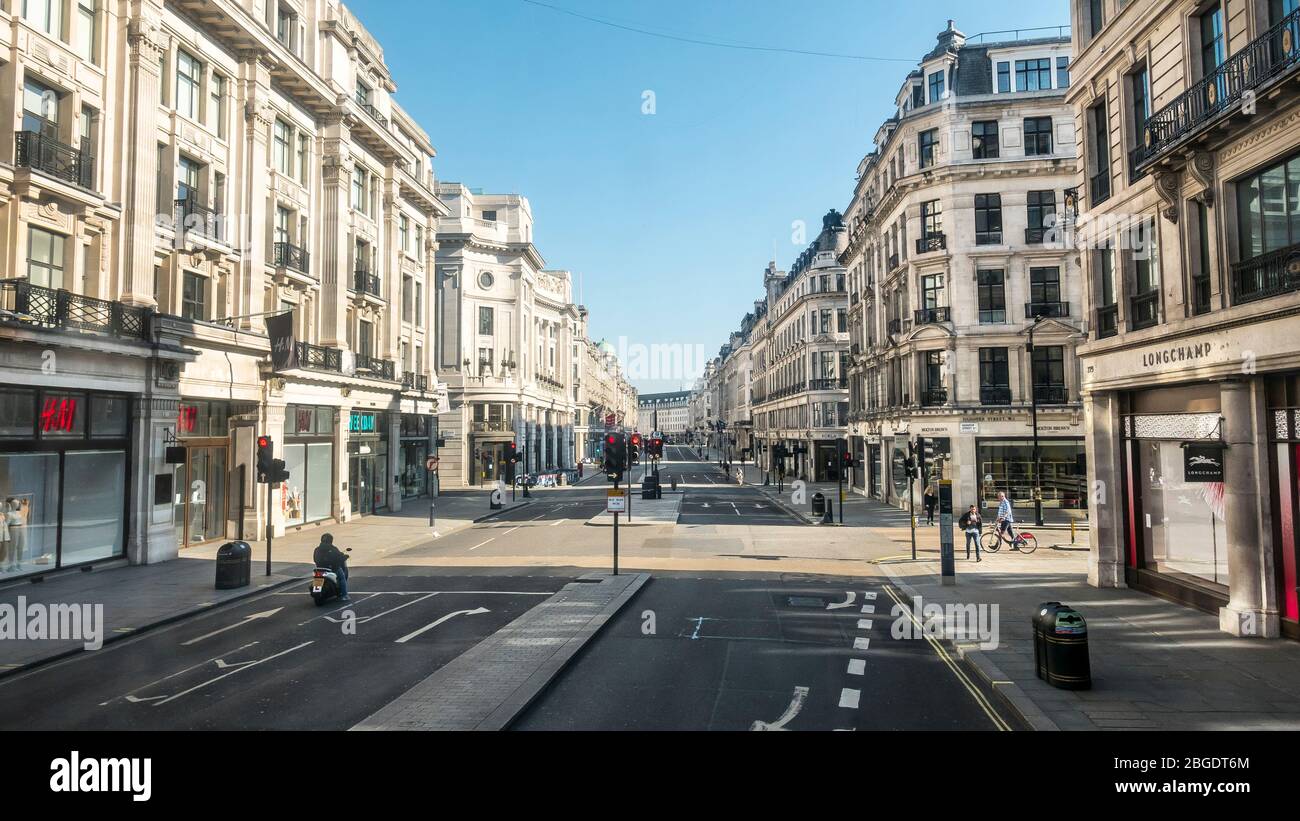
46, 15
365, 338
1099, 176
931, 220
1268, 209
918, 95
485, 321
926, 142
489, 216
403, 233
359, 189
1095, 18
1034, 75
189, 72
282, 147
1212, 45
1049, 374
1041, 208
936, 87
1004, 77
1044, 291
40, 109
44, 258
1062, 72
194, 296
1201, 279
1144, 310
419, 304
408, 298
286, 28
995, 377
1038, 136
932, 292
988, 219
87, 30
304, 154
984, 140
217, 105
992, 297
1139, 93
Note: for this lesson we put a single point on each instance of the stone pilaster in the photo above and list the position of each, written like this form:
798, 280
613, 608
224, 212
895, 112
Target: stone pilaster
147, 43
1104, 446
254, 224
335, 263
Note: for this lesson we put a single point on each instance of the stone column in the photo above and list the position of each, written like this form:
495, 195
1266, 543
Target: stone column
254, 223
151, 534
147, 42
1248, 613
1104, 446
335, 259
394, 434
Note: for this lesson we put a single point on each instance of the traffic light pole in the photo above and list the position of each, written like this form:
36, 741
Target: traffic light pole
629, 507
270, 528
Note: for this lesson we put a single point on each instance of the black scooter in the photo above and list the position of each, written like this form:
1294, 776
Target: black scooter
325, 584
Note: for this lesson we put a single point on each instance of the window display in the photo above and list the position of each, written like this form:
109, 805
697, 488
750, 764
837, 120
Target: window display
1183, 527
93, 507
29, 505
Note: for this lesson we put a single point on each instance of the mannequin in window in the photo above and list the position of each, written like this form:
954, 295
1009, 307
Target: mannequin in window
16, 516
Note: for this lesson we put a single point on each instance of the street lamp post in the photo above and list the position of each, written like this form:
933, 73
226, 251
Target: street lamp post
1033, 412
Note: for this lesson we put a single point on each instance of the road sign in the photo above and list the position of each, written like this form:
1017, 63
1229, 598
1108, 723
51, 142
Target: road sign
616, 501
431, 464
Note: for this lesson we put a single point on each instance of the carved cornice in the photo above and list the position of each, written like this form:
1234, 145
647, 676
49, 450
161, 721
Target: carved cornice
1201, 167
1167, 187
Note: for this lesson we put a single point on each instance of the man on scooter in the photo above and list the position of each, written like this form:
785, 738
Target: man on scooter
327, 555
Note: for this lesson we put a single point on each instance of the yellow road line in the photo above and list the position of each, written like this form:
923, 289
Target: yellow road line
942, 652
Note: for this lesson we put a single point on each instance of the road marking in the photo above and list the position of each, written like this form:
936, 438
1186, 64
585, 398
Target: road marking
239, 668
857, 667
448, 617
557, 522
868, 608
480, 544
869, 596
733, 507
861, 644
177, 673
939, 650
796, 704
380, 615
247, 619
864, 624
849, 698
852, 597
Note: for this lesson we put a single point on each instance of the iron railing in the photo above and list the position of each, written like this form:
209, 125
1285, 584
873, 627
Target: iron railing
1200, 295
1051, 394
930, 316
373, 112
1267, 275
288, 255
934, 396
60, 309
415, 381
1267, 57
931, 242
995, 395
364, 282
1035, 236
49, 156
1143, 310
1048, 310
1107, 321
828, 384
319, 358
1099, 188
199, 219
895, 326
374, 366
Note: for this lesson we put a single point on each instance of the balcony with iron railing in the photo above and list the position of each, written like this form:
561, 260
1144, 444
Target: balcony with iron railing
1143, 310
415, 381
364, 282
195, 218
1107, 321
1047, 310
931, 397
372, 112
995, 395
829, 384
893, 262
1035, 236
1051, 395
47, 155
1264, 61
1267, 275
548, 382
492, 426
374, 367
288, 255
930, 243
932, 316
1099, 188
53, 309
895, 326
319, 358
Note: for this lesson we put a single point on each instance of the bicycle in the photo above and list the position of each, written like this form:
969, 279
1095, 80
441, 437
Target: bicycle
992, 539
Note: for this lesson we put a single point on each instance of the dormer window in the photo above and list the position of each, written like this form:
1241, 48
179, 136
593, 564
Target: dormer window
936, 87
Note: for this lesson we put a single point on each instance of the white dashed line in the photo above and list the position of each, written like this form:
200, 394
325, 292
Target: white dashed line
849, 698
864, 624
861, 644
480, 544
857, 667
869, 596
868, 608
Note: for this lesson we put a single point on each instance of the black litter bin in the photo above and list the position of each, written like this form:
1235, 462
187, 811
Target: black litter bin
234, 565
818, 504
650, 487
1061, 647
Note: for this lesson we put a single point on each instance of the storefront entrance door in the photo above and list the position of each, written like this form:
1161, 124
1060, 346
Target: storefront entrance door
361, 471
199, 510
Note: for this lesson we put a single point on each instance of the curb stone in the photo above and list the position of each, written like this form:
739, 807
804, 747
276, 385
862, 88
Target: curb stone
1011, 695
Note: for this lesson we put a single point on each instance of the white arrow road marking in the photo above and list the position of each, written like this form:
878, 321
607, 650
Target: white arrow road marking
129, 697
852, 597
247, 620
849, 698
448, 617
705, 504
796, 704
857, 667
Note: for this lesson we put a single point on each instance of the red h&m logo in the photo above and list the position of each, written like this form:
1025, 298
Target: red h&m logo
185, 420
59, 415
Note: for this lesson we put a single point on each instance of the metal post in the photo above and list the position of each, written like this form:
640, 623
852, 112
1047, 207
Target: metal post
629, 499
947, 556
270, 528
1033, 410
431, 519
911, 499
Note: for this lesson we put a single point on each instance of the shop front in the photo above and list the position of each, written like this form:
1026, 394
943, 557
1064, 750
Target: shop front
1283, 405
64, 471
309, 457
202, 482
1007, 466
415, 433
367, 462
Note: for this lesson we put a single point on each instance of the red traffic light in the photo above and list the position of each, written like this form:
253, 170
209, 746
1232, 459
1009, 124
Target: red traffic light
609, 440
263, 441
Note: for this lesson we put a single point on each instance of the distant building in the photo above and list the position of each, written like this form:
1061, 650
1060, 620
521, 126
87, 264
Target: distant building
666, 413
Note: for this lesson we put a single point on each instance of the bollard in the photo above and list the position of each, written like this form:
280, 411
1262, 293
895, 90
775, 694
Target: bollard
1072, 521
431, 506
829, 517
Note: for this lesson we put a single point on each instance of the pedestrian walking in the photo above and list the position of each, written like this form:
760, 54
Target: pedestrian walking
970, 522
931, 503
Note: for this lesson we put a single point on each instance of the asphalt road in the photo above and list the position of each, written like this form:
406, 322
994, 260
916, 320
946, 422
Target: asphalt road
759, 653
285, 664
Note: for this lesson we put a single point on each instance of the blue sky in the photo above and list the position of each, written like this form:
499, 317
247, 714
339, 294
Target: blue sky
668, 218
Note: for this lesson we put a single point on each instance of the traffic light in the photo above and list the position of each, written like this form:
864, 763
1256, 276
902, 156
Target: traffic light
846, 458
636, 442
920, 459
512, 453
911, 458
615, 455
265, 459
656, 448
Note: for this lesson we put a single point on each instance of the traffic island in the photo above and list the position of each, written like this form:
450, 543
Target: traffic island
489, 685
661, 512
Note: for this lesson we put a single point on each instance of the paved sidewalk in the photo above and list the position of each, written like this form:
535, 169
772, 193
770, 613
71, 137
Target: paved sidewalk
485, 687
136, 599
1155, 665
